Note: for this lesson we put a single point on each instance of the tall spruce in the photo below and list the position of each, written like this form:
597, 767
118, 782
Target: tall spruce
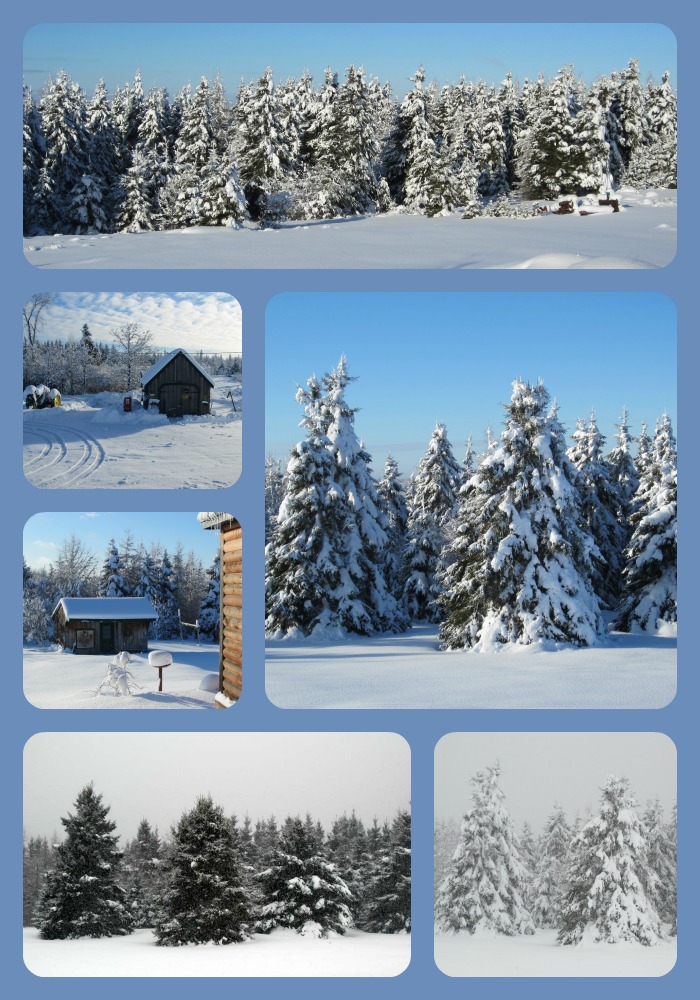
83, 895
606, 874
203, 900
521, 564
484, 885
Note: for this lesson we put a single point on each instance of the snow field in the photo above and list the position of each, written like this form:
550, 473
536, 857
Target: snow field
89, 442
409, 671
641, 235
282, 953
64, 680
486, 953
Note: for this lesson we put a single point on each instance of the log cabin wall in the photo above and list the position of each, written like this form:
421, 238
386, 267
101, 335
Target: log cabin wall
231, 562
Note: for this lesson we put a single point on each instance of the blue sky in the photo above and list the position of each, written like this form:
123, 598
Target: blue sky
171, 55
422, 358
196, 321
44, 533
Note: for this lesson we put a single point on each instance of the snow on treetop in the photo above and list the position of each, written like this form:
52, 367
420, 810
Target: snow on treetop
161, 363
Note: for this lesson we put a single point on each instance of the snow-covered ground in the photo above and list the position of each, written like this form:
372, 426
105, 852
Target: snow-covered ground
90, 442
409, 671
65, 680
281, 953
641, 235
489, 954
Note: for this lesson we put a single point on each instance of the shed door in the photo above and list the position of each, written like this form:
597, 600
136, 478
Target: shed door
177, 400
107, 637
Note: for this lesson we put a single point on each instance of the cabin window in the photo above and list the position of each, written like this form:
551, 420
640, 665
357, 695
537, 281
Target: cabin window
85, 638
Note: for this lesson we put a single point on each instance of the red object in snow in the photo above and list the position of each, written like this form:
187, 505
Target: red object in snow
127, 404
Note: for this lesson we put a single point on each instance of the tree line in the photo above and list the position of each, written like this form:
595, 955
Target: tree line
611, 876
84, 365
216, 878
530, 542
178, 586
149, 161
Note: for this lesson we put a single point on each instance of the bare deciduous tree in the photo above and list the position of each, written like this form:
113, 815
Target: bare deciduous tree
33, 314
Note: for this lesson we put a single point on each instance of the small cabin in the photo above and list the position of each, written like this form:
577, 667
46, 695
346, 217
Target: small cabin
103, 624
231, 604
178, 385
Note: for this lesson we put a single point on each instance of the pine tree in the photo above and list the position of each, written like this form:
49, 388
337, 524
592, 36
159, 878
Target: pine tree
521, 564
274, 493
37, 860
203, 900
660, 888
649, 596
606, 875
485, 881
623, 472
300, 887
168, 624
433, 505
83, 896
546, 152
324, 569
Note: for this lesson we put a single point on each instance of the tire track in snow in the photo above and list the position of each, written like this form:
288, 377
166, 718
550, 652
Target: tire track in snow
65, 465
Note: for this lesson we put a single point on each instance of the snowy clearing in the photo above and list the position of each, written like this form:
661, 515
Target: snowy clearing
65, 680
90, 442
281, 953
489, 954
641, 235
409, 671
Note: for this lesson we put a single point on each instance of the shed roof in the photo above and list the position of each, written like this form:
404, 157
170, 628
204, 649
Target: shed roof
161, 363
213, 519
107, 608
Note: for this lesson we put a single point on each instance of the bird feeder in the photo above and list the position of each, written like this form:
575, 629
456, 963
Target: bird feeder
160, 659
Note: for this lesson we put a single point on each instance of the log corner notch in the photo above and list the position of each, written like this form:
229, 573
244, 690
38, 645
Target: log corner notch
231, 605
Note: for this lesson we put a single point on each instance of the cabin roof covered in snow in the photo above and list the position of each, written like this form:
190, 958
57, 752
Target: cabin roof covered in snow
213, 519
161, 363
107, 608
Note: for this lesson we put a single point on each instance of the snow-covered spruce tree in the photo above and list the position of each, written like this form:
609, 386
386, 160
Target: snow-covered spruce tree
37, 861
62, 112
168, 624
387, 907
210, 612
433, 505
143, 875
672, 833
600, 509
661, 860
484, 884
606, 875
263, 154
547, 154
32, 159
346, 847
446, 836
203, 899
301, 887
623, 472
324, 571
649, 596
112, 578
274, 493
548, 883
522, 565
393, 505
83, 895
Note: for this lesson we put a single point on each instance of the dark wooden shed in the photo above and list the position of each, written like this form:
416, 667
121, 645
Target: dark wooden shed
179, 384
103, 624
231, 604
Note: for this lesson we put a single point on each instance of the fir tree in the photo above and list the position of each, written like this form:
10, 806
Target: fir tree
203, 900
300, 887
660, 887
143, 862
112, 578
83, 896
549, 881
324, 572
388, 886
606, 875
209, 612
521, 564
393, 505
485, 881
168, 624
433, 505
649, 595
